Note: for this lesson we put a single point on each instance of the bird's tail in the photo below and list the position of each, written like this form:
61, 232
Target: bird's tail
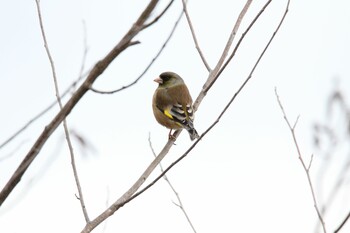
193, 133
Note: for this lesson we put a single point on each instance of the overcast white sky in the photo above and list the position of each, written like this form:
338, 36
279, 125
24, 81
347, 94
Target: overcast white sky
244, 176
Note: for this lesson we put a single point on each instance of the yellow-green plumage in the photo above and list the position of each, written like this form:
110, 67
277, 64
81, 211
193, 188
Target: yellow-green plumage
172, 104
167, 113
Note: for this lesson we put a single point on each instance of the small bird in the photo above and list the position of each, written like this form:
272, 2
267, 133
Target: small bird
172, 104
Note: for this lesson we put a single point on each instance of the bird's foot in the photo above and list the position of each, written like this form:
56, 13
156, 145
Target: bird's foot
172, 138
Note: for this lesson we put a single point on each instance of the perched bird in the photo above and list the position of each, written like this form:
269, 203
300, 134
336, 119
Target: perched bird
172, 104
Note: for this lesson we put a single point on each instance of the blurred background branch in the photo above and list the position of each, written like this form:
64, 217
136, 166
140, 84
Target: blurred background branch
331, 140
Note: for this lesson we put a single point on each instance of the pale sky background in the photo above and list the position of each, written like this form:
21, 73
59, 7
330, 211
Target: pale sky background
244, 176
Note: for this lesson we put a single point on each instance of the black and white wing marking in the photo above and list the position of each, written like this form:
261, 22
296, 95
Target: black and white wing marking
183, 114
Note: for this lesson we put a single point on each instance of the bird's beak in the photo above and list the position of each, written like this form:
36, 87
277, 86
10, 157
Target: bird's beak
158, 80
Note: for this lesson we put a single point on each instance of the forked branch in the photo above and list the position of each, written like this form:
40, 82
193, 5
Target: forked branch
96, 71
214, 123
305, 167
165, 177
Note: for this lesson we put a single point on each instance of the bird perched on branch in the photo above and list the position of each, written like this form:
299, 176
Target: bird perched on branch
172, 104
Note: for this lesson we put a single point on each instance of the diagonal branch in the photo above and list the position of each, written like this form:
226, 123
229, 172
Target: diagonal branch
149, 65
131, 192
347, 217
184, 4
216, 121
146, 25
123, 199
96, 71
65, 125
40, 114
222, 68
165, 177
213, 73
12, 153
71, 87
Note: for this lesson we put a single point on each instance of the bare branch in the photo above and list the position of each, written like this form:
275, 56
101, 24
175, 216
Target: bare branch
96, 71
132, 193
233, 34
213, 124
125, 197
213, 75
65, 125
184, 4
36, 117
310, 163
10, 154
296, 122
71, 87
222, 68
179, 204
347, 217
106, 204
148, 66
306, 169
85, 52
159, 16
336, 99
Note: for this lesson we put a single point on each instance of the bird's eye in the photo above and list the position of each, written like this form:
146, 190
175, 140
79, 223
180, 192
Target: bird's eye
165, 78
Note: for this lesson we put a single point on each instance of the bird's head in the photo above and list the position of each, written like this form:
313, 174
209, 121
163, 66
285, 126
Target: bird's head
167, 79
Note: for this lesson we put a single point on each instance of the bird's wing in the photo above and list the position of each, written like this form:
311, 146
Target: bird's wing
176, 104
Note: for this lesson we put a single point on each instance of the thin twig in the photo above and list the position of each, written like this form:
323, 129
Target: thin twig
65, 125
125, 197
131, 192
306, 168
32, 120
310, 162
233, 34
85, 53
347, 217
184, 4
69, 89
96, 71
179, 204
159, 16
148, 66
106, 204
216, 121
223, 67
41, 113
10, 154
214, 72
